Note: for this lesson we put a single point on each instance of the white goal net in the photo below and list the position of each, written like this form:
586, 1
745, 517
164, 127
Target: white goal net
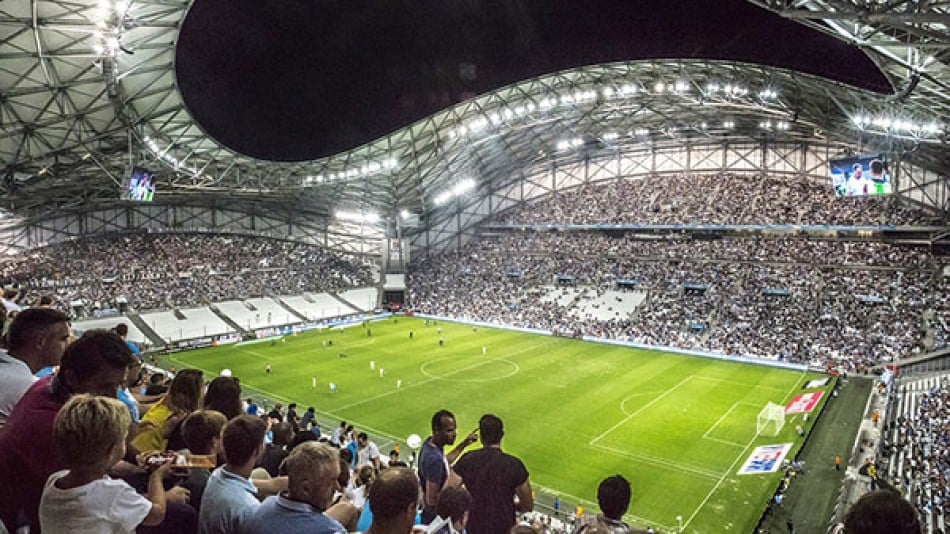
770, 420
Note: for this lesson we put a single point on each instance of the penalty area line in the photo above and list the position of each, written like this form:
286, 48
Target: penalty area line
734, 462
644, 407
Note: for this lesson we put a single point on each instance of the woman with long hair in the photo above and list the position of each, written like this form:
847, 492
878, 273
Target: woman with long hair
183, 397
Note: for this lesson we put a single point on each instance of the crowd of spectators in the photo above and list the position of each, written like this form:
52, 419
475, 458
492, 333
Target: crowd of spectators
712, 199
848, 304
159, 271
75, 458
922, 446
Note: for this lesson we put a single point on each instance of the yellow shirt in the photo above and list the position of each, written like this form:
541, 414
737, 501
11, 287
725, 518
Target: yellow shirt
151, 438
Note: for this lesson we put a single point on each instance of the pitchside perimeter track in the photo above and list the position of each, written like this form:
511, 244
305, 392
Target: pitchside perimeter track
678, 427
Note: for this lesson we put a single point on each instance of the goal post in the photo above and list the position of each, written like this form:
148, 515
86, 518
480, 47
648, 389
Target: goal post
770, 420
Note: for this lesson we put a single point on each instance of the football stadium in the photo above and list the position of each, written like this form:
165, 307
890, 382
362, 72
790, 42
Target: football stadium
453, 267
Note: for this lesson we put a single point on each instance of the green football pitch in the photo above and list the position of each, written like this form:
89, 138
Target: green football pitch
677, 427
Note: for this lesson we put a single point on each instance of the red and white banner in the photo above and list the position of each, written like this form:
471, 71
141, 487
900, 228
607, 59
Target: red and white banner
804, 402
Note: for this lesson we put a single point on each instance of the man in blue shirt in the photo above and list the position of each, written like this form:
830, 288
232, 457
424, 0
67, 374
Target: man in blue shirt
435, 471
229, 499
313, 469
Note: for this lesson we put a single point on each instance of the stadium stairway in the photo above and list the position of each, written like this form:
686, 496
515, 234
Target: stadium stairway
344, 301
227, 320
290, 310
154, 338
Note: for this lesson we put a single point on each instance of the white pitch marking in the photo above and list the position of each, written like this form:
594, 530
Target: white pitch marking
644, 407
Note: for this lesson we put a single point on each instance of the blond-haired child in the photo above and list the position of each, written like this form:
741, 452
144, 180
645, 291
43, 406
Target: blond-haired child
90, 433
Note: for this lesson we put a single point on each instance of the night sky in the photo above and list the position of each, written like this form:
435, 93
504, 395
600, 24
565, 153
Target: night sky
293, 80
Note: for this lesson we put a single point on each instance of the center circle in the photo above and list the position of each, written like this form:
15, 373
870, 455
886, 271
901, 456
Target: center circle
449, 370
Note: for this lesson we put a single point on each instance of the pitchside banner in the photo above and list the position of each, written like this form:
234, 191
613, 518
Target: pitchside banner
765, 459
821, 382
804, 402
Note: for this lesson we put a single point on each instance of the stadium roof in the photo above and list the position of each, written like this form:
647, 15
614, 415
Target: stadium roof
89, 89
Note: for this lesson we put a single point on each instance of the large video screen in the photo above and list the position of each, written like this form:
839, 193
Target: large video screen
860, 176
140, 185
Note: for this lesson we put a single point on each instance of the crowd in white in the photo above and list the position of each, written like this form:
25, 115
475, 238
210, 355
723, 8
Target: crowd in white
156, 271
923, 437
713, 199
846, 304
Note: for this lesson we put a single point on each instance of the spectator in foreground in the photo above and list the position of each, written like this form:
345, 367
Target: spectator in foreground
882, 512
434, 470
96, 363
224, 395
498, 481
229, 500
454, 505
277, 449
613, 496
162, 419
90, 433
202, 434
37, 339
313, 469
393, 497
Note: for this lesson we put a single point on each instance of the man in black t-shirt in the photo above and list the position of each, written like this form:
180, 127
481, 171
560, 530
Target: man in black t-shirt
494, 479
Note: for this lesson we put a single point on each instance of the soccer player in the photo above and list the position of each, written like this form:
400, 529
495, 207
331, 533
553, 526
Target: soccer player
372, 365
313, 382
381, 372
398, 384
267, 369
484, 350
332, 387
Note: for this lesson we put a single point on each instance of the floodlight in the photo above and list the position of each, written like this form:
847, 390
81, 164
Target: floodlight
577, 141
563, 144
712, 87
98, 49
641, 132
607, 92
681, 86
659, 87
610, 136
728, 124
404, 214
628, 89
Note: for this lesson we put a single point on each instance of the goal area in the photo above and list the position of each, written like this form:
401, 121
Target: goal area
770, 420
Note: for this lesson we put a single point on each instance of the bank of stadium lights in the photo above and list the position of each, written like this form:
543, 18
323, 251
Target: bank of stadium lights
360, 217
363, 171
898, 125
567, 144
728, 90
457, 190
547, 103
610, 136
109, 18
777, 125
728, 124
